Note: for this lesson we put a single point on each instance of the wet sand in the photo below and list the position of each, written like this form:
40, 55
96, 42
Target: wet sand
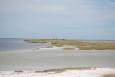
97, 72
42, 59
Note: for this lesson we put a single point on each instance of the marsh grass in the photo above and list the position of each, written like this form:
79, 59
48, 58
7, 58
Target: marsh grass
109, 75
79, 44
69, 48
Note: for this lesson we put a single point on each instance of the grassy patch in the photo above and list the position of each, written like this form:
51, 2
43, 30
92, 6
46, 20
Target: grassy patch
80, 44
109, 75
69, 48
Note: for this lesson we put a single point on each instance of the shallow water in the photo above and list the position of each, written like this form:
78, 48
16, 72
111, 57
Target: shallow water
9, 44
34, 59
50, 59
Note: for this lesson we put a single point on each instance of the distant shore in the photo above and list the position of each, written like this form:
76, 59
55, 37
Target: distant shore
80, 44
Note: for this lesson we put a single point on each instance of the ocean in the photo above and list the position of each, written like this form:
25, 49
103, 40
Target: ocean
9, 44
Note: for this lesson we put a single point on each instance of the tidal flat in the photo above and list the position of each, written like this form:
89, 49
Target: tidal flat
55, 58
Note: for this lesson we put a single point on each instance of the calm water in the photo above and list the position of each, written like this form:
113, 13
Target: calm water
48, 59
8, 44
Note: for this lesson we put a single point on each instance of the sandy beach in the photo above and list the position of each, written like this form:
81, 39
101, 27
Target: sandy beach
94, 72
29, 62
31, 59
57, 38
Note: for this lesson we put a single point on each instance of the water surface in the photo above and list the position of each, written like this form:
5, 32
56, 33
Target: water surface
48, 59
9, 44
51, 59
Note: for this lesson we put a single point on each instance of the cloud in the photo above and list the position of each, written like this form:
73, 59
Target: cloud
48, 8
30, 5
79, 17
76, 9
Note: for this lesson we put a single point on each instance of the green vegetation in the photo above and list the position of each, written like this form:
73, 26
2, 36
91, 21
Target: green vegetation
80, 44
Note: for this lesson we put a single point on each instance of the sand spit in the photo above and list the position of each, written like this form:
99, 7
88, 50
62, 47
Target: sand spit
93, 72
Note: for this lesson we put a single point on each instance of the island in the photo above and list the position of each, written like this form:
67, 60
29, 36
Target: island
80, 44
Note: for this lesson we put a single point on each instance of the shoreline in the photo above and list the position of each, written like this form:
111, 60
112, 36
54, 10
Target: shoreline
53, 48
82, 45
29, 59
24, 60
89, 72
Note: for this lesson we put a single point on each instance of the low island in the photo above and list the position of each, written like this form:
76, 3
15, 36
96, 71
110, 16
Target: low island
81, 44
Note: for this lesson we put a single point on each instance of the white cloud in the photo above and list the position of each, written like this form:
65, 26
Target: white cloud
75, 8
48, 8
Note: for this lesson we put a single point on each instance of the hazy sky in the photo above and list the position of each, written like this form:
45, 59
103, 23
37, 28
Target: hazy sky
76, 19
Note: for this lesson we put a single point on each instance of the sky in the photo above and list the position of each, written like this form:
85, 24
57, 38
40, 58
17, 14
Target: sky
71, 19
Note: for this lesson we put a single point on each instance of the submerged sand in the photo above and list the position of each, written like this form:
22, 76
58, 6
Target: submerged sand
42, 59
30, 62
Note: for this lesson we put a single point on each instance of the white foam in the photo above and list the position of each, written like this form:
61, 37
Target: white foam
98, 72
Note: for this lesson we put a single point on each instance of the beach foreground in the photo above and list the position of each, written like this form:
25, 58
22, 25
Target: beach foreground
93, 72
42, 59
61, 63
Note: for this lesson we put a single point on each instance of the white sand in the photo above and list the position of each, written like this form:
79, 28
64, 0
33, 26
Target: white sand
98, 72
54, 48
